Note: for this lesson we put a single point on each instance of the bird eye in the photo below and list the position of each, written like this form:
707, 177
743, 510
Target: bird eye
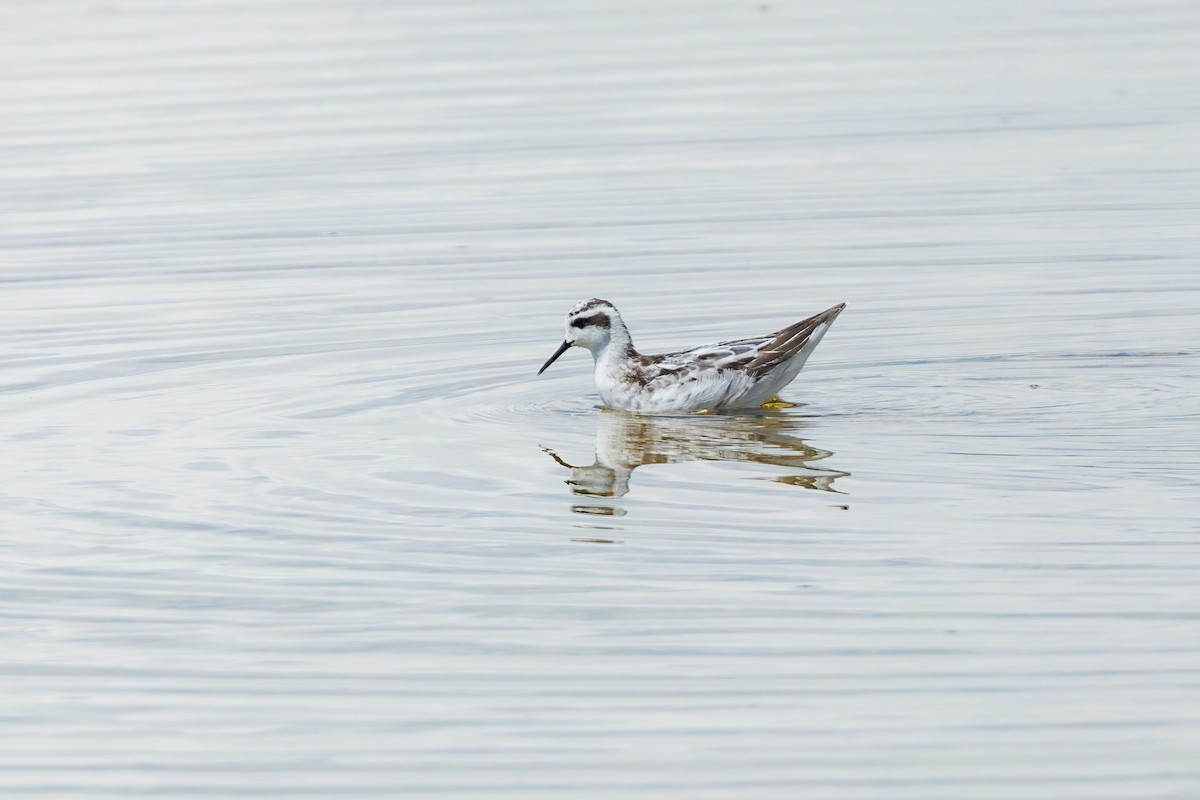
579, 323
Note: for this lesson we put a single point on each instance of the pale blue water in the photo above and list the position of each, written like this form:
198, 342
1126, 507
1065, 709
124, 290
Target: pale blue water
278, 513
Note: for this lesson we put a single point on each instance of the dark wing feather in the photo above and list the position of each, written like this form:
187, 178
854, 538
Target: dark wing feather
790, 341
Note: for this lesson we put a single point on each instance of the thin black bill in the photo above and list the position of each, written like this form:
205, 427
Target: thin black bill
562, 348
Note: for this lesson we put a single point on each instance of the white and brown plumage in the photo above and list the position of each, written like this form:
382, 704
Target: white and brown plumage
743, 373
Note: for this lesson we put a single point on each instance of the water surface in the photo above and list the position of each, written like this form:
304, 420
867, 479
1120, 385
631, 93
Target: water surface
286, 512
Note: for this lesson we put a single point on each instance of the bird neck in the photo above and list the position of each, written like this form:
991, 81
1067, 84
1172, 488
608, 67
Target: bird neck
616, 348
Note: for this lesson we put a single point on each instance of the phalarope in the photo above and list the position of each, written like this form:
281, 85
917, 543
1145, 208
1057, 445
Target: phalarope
743, 373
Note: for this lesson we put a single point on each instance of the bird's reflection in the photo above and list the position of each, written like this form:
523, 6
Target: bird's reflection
626, 441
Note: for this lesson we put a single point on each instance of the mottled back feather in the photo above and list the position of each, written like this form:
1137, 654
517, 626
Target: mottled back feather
755, 356
789, 341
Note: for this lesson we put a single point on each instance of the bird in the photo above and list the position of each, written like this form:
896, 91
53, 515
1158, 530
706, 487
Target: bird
723, 376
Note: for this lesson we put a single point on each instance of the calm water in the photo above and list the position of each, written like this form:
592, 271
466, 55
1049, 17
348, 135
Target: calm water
286, 513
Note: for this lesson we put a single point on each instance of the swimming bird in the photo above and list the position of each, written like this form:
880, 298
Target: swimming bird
738, 374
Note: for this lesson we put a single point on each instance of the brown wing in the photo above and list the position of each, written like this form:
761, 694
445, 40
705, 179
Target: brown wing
790, 341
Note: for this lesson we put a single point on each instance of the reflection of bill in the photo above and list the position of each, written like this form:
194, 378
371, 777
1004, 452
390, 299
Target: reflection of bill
627, 441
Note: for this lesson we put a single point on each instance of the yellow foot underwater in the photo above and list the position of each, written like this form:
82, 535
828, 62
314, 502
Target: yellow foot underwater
777, 402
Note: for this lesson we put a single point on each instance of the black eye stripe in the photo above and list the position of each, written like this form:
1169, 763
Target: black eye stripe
599, 320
